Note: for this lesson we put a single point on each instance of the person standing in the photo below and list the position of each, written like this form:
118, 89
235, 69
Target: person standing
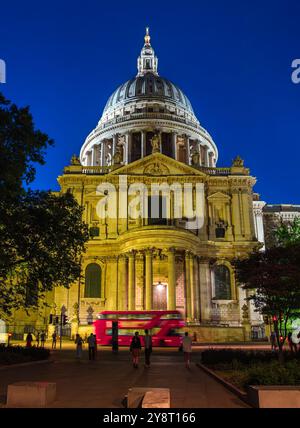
78, 342
54, 337
273, 341
135, 349
43, 338
96, 348
187, 349
38, 339
28, 340
148, 348
92, 346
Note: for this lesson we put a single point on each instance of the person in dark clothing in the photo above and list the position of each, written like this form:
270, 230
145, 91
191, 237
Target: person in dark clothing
148, 348
135, 349
92, 346
29, 339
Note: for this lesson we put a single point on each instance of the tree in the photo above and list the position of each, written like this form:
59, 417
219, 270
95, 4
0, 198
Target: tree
42, 234
275, 277
21, 145
288, 233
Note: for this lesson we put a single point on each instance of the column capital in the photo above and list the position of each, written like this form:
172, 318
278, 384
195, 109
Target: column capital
131, 254
149, 252
188, 254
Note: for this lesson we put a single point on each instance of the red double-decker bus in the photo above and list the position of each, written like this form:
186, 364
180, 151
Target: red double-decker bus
164, 326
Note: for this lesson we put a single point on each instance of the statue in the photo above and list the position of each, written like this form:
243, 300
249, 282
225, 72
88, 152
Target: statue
155, 143
245, 311
238, 161
75, 160
117, 157
195, 158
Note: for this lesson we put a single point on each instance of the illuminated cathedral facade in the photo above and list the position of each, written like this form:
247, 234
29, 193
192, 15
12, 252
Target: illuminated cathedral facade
148, 137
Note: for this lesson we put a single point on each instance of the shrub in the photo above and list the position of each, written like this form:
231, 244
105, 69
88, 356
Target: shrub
233, 357
19, 354
274, 373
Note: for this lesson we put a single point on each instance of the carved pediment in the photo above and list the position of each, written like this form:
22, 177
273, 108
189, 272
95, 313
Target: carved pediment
156, 168
219, 196
157, 164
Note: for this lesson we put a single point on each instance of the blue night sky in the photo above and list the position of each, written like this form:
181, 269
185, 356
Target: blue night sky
231, 58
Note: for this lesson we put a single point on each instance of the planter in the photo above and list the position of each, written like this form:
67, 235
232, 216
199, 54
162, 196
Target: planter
277, 396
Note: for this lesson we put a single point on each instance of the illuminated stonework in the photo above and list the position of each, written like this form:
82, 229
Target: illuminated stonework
149, 133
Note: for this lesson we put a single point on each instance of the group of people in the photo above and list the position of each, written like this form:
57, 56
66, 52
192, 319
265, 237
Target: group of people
40, 338
294, 347
92, 346
136, 346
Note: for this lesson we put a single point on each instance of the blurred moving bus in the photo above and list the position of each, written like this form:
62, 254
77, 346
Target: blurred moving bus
165, 327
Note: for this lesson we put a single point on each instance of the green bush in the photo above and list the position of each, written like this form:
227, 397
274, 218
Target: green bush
19, 354
274, 373
234, 357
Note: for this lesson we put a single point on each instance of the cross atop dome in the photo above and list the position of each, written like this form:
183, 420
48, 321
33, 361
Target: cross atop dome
147, 61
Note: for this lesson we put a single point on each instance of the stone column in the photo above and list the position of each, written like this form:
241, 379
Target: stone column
149, 280
197, 290
174, 144
111, 281
128, 147
187, 272
205, 291
193, 290
143, 144
131, 281
205, 148
122, 283
94, 155
103, 152
114, 146
188, 154
237, 215
171, 280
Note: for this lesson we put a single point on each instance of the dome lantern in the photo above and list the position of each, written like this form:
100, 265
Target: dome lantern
147, 61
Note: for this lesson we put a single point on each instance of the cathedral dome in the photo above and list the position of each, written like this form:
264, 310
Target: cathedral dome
148, 87
145, 106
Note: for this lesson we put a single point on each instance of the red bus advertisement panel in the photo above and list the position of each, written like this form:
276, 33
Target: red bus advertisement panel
164, 326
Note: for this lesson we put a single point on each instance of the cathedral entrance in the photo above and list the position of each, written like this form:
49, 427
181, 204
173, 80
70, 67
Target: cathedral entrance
160, 297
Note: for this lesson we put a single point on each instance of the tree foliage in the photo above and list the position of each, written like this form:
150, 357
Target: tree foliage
41, 233
21, 145
288, 232
273, 278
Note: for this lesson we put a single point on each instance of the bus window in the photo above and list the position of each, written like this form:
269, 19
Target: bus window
175, 332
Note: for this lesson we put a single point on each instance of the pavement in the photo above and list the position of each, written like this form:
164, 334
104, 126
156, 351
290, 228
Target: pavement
104, 383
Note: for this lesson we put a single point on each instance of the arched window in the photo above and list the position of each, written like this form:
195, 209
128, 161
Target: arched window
92, 281
222, 283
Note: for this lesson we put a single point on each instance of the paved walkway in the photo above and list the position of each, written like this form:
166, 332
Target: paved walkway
105, 382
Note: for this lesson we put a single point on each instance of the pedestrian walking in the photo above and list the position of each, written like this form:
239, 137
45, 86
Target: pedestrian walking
148, 348
43, 338
28, 340
135, 349
187, 349
54, 337
92, 346
78, 342
96, 347
273, 341
37, 339
292, 345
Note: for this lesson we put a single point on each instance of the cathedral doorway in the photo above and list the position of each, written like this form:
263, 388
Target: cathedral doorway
160, 297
